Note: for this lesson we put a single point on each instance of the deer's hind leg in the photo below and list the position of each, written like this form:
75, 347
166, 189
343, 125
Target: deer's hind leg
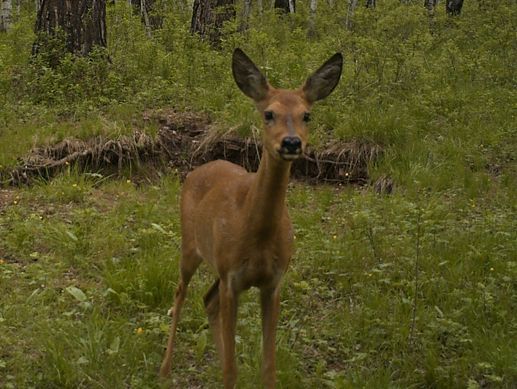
221, 307
211, 301
190, 261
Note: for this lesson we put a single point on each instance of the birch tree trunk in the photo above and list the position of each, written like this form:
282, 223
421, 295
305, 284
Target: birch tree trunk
82, 22
144, 9
313, 6
430, 5
145, 17
312, 19
352, 5
6, 8
246, 10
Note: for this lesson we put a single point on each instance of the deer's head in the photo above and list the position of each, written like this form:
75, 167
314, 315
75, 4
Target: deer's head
285, 112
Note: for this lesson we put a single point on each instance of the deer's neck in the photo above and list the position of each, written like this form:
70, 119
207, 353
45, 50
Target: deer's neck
266, 198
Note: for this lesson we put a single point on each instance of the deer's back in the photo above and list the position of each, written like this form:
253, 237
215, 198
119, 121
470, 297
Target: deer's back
212, 199
215, 176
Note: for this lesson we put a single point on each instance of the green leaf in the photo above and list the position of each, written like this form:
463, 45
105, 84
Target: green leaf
472, 384
72, 236
158, 228
165, 328
109, 291
494, 378
114, 346
77, 293
437, 309
82, 361
304, 285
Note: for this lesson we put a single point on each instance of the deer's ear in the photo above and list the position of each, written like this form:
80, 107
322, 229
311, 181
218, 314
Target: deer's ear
323, 81
248, 77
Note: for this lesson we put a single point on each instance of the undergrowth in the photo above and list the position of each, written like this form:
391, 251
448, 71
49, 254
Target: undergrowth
416, 289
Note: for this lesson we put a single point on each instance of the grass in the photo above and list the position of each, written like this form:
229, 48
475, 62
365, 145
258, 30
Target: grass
411, 290
350, 315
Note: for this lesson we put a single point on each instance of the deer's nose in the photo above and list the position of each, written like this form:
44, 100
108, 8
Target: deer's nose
292, 144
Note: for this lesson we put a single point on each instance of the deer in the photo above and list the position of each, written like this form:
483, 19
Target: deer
238, 221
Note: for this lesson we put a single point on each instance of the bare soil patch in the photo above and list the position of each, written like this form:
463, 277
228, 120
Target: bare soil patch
186, 140
6, 197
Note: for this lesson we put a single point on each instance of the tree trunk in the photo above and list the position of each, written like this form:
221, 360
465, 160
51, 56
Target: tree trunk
208, 17
144, 11
313, 6
352, 5
453, 7
246, 10
430, 5
312, 18
83, 23
144, 8
289, 6
6, 8
371, 3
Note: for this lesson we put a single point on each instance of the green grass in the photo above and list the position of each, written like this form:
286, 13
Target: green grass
411, 290
347, 304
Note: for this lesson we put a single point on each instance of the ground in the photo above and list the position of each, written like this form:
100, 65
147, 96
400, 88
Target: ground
383, 291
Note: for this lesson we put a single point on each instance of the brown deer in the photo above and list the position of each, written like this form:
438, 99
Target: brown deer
238, 221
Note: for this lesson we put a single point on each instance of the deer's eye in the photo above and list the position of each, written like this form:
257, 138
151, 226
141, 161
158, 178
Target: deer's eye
306, 117
268, 115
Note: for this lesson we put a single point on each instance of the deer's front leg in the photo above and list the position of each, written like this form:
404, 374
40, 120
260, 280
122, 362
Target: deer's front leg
270, 304
228, 317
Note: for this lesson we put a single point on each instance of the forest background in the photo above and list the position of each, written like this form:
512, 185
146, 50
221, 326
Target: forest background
411, 287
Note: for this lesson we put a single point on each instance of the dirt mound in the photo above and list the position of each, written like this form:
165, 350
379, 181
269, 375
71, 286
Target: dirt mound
184, 141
